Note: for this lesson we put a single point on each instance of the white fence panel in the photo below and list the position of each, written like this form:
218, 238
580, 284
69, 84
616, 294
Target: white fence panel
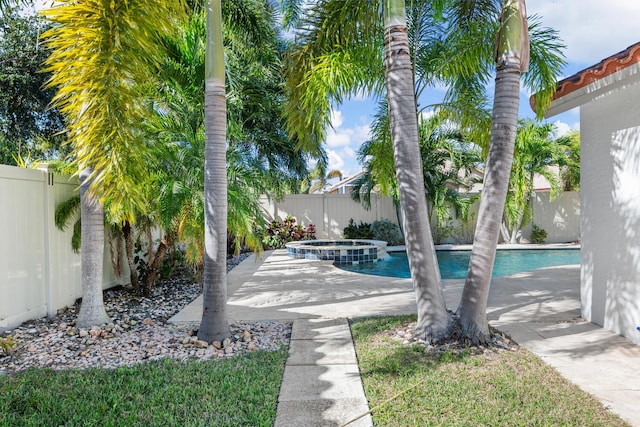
559, 217
22, 253
330, 213
39, 272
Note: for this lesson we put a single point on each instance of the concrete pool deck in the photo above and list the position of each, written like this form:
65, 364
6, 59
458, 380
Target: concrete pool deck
321, 384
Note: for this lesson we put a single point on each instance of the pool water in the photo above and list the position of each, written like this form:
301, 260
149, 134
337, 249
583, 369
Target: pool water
454, 264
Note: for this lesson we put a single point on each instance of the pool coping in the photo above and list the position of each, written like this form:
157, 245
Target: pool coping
501, 246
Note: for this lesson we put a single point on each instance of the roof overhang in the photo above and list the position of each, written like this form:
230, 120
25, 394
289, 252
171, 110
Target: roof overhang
610, 74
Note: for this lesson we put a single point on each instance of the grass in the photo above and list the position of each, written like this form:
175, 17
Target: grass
237, 391
406, 386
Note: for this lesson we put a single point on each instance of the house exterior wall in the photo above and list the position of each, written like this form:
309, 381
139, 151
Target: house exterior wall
610, 200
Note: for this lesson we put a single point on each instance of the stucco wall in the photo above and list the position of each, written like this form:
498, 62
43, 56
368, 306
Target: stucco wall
610, 200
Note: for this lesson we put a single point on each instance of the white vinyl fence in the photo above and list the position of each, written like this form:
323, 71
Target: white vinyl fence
39, 272
330, 213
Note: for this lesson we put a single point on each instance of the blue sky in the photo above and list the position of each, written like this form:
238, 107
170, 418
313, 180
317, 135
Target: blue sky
591, 29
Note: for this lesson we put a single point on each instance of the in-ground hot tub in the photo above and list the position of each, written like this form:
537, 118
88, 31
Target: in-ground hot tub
339, 251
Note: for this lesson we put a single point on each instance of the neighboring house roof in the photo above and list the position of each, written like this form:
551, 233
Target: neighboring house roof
593, 79
347, 182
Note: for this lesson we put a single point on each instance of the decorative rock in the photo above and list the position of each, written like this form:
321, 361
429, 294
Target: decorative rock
226, 343
71, 331
201, 344
47, 343
147, 321
217, 344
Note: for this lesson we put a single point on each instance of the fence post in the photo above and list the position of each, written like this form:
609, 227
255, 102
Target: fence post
49, 211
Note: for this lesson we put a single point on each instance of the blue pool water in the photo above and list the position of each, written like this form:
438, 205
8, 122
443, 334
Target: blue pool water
454, 264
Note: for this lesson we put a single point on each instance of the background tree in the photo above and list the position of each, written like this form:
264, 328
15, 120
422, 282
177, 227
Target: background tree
29, 129
447, 161
535, 153
570, 167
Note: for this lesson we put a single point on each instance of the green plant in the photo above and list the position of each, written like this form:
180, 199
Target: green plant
357, 231
538, 235
467, 386
163, 392
7, 344
281, 232
387, 231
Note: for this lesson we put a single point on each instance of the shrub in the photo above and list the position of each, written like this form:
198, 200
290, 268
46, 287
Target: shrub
7, 345
281, 232
387, 231
359, 231
538, 235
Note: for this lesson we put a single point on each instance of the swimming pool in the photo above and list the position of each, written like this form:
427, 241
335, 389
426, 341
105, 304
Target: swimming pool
454, 264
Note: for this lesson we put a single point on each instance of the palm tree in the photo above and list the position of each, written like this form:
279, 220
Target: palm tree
214, 324
101, 60
337, 54
447, 161
318, 178
535, 152
512, 58
92, 311
433, 318
570, 166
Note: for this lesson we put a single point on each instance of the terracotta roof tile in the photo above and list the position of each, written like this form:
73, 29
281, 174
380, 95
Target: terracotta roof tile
604, 68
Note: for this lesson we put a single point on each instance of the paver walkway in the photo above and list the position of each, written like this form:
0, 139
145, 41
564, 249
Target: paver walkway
321, 384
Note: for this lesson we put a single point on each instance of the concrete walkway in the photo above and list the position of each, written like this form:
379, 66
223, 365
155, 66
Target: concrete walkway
321, 384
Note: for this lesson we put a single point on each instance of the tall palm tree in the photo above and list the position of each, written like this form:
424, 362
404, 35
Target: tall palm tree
214, 324
570, 167
92, 311
102, 58
433, 318
337, 54
512, 58
535, 153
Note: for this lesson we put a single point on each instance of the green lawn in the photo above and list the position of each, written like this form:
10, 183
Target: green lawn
407, 387
236, 391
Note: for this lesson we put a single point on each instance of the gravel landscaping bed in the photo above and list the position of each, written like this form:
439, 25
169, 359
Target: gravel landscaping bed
139, 332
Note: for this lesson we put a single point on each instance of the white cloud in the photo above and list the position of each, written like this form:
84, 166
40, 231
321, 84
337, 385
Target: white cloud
336, 118
591, 29
337, 138
341, 137
335, 160
563, 128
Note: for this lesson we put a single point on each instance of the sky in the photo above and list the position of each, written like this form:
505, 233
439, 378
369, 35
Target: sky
592, 30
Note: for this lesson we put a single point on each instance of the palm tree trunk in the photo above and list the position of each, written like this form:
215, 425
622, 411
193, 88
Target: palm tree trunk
512, 58
214, 325
92, 311
129, 246
433, 318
